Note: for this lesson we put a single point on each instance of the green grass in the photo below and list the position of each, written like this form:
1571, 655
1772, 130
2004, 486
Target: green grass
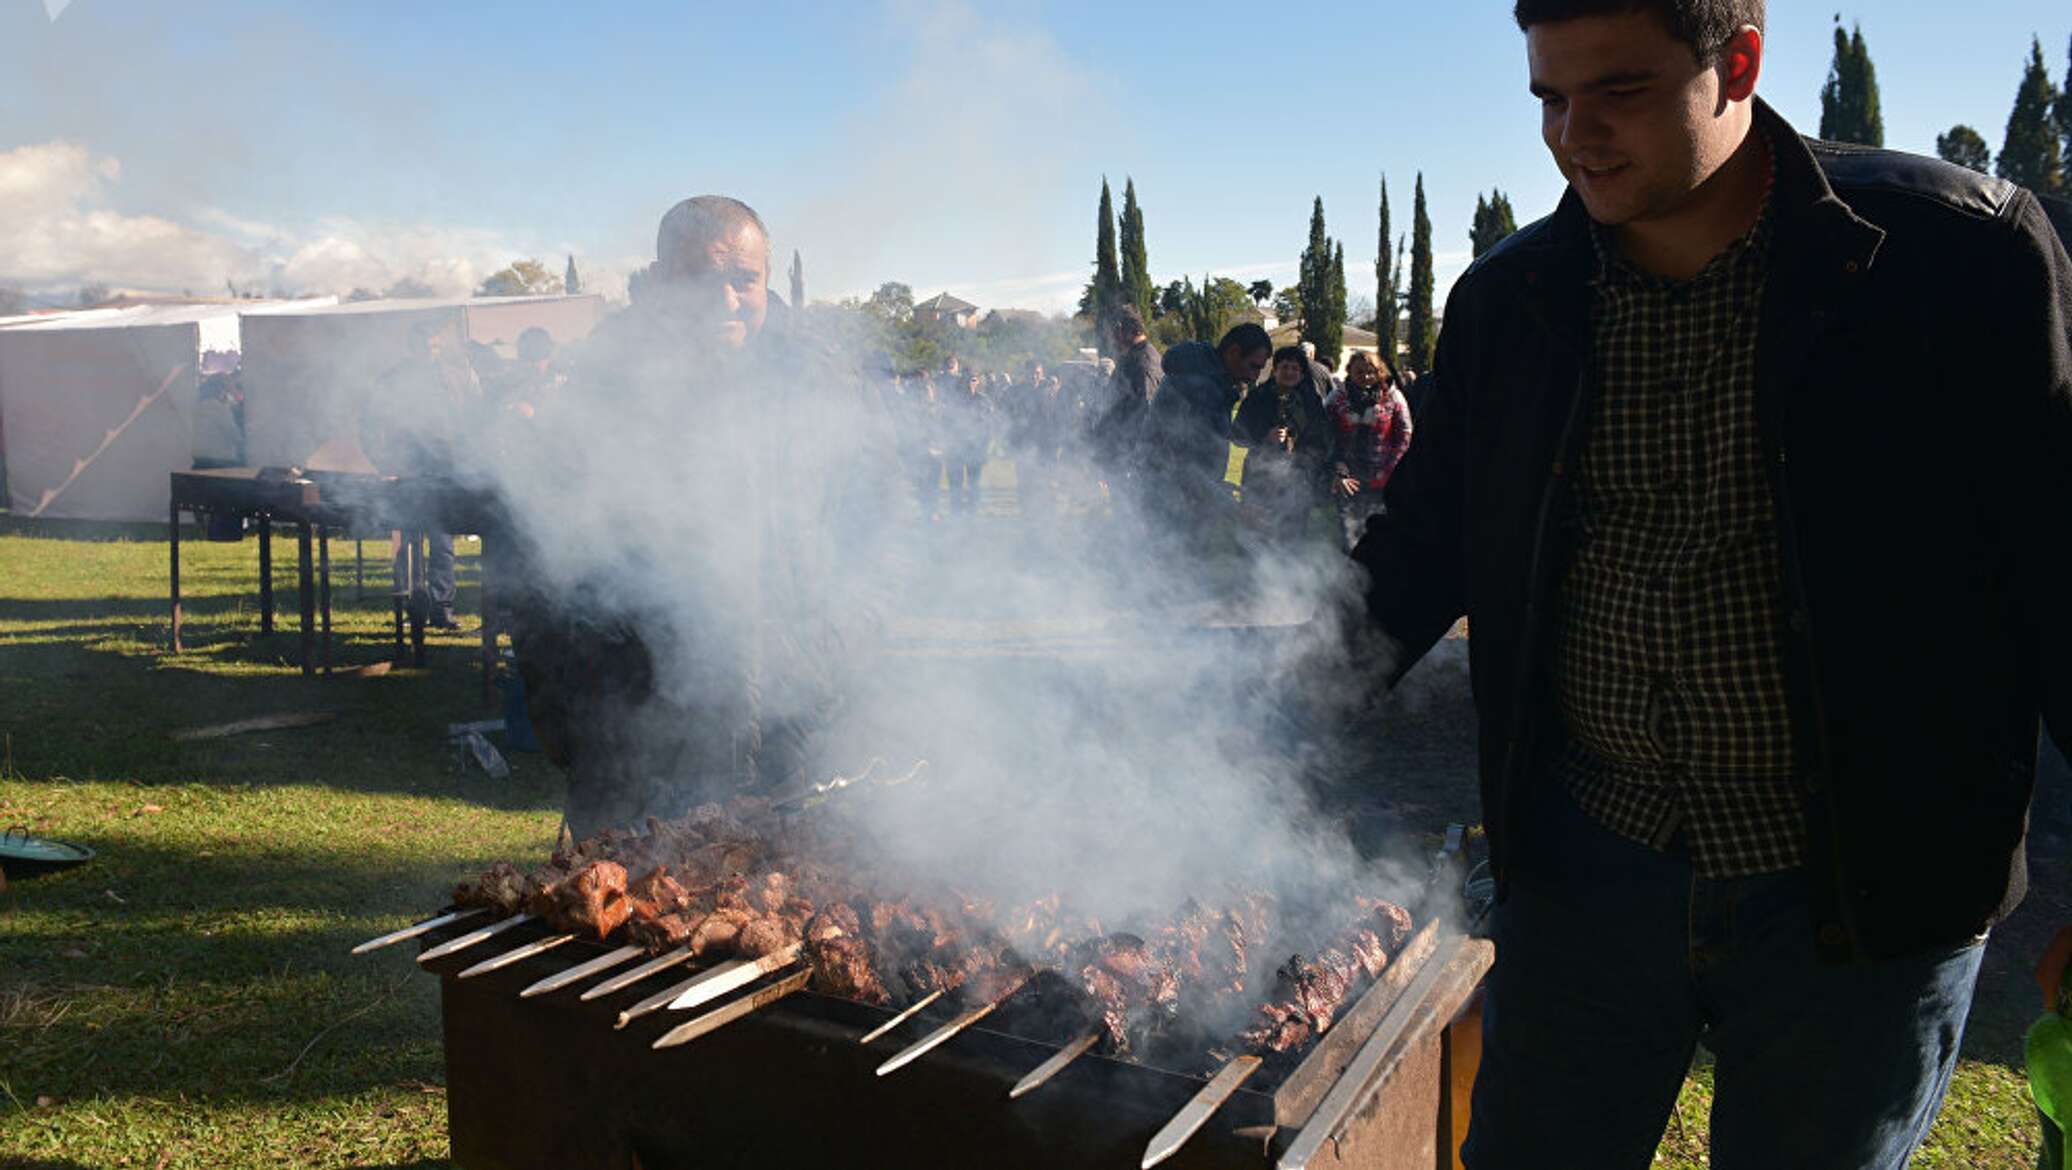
187, 999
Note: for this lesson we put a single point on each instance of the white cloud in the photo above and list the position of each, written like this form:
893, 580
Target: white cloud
59, 230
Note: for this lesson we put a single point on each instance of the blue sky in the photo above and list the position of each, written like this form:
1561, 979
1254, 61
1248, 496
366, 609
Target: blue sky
948, 145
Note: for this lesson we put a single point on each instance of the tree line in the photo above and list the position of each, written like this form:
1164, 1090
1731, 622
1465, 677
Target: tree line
2035, 146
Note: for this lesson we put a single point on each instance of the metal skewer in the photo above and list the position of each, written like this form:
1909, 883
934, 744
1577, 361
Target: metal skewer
410, 932
1195, 1114
940, 1036
902, 1017
582, 971
1056, 1064
516, 954
627, 979
710, 985
721, 1016
472, 937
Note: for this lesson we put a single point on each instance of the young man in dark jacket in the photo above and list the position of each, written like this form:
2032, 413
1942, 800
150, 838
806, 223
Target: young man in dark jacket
1187, 443
1758, 737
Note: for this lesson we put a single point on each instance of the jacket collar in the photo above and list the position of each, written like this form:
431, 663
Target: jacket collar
1819, 237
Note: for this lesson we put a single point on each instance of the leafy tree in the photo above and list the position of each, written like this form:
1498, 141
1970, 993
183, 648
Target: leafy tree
2030, 154
1136, 263
1104, 291
1221, 303
1422, 339
1965, 147
409, 289
1172, 299
1287, 308
1849, 108
1493, 221
523, 278
571, 283
93, 294
1261, 291
12, 302
892, 304
1387, 285
361, 294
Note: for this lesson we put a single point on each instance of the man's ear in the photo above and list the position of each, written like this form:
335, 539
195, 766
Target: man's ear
1740, 63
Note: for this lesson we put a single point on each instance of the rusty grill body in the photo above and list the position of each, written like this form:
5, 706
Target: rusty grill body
547, 1083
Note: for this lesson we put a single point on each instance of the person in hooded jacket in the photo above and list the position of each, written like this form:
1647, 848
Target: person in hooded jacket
1281, 423
1186, 448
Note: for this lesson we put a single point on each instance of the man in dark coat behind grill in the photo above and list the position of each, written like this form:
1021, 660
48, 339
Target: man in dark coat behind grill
673, 635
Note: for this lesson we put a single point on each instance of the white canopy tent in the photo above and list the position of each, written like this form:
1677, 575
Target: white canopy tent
95, 406
308, 374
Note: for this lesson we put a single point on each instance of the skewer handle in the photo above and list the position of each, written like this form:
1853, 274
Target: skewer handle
726, 1014
911, 1010
1195, 1114
412, 931
469, 939
582, 971
1041, 1074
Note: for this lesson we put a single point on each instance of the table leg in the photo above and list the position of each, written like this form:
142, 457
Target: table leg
324, 595
307, 589
173, 547
489, 630
420, 593
400, 573
266, 572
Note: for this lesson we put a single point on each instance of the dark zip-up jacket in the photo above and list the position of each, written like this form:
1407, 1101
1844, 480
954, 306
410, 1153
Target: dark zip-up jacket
1914, 397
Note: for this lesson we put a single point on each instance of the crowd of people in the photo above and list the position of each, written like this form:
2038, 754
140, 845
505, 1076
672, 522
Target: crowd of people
1156, 429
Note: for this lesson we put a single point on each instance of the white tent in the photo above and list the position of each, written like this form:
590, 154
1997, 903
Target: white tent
95, 406
308, 374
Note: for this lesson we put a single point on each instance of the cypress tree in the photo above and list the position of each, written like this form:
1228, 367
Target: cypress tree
1313, 278
1493, 221
1385, 277
1870, 119
1136, 264
2030, 153
1331, 335
1849, 106
570, 282
2065, 125
1837, 119
1104, 291
1422, 339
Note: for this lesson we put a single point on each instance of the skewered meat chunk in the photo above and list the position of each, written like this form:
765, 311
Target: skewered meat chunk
659, 890
661, 932
717, 933
842, 966
837, 921
501, 888
592, 901
764, 935
1133, 989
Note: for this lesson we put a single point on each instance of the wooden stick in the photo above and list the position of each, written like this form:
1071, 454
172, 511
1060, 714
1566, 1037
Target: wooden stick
902, 1017
1195, 1114
719, 1017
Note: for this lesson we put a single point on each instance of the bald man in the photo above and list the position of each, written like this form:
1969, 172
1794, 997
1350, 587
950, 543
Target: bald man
684, 637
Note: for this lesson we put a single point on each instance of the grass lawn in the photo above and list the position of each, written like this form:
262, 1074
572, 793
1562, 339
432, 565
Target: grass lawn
187, 1000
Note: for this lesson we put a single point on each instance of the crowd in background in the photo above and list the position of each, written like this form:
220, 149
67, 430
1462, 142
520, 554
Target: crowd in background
1081, 432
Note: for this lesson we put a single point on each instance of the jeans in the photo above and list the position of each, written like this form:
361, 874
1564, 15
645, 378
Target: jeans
1614, 960
440, 585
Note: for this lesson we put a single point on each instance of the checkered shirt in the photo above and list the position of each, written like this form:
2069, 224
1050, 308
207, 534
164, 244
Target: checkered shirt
1670, 664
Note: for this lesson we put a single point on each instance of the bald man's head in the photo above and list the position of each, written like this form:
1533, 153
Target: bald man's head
712, 260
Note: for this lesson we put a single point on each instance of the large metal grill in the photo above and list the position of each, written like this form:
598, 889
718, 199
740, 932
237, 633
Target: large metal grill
547, 1083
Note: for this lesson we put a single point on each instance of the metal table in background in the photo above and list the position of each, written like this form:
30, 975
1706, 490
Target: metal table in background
319, 504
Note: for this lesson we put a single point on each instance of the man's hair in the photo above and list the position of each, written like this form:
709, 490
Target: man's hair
1705, 25
698, 221
1249, 337
1127, 318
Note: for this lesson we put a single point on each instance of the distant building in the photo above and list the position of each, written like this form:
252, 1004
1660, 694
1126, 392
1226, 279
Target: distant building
1002, 318
942, 308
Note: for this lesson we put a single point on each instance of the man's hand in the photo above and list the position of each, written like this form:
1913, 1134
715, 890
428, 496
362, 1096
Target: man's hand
2050, 969
1348, 486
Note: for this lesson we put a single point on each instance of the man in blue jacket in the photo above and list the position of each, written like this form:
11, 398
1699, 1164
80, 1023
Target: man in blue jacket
1758, 728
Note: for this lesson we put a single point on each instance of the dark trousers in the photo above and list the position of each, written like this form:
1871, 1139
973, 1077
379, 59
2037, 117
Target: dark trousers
441, 585
1615, 960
